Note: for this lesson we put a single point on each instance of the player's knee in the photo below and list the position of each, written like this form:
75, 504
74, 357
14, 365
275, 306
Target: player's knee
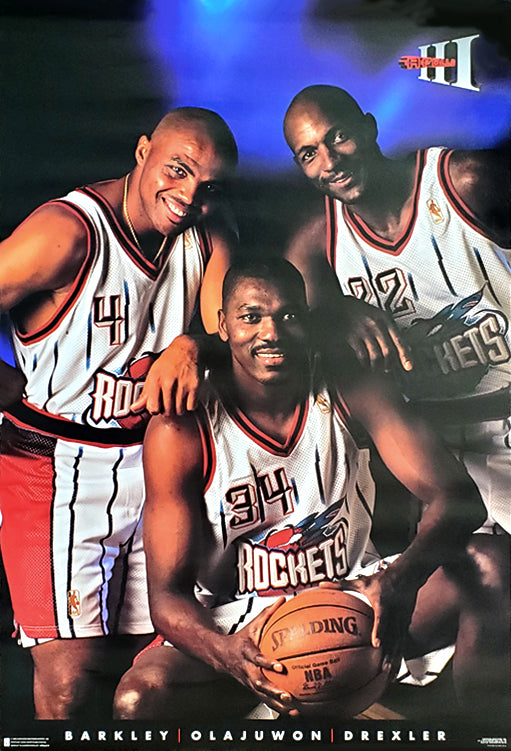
54, 698
490, 556
139, 693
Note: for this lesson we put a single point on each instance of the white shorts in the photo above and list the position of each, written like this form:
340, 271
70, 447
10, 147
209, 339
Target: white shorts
485, 450
71, 537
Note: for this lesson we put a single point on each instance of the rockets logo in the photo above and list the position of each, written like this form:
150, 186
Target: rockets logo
295, 556
113, 395
455, 348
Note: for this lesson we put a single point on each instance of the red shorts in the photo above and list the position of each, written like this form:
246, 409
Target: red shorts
71, 536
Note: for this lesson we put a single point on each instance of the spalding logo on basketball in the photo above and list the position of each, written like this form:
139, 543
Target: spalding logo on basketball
322, 637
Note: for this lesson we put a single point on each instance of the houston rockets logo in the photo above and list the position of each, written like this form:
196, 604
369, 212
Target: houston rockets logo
455, 348
297, 555
113, 395
310, 531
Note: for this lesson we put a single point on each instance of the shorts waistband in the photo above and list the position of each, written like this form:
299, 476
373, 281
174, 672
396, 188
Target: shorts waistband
25, 416
466, 409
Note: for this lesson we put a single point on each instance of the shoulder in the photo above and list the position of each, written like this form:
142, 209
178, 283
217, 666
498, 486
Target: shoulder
172, 447
472, 168
308, 243
171, 427
52, 219
482, 179
50, 245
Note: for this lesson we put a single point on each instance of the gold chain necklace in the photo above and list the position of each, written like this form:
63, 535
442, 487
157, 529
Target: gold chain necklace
130, 226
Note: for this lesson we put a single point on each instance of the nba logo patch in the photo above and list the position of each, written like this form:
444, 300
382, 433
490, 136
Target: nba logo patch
74, 606
435, 211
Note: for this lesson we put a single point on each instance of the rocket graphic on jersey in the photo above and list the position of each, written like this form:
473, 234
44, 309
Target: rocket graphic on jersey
455, 348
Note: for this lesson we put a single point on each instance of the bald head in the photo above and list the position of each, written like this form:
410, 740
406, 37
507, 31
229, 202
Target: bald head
209, 122
333, 142
331, 101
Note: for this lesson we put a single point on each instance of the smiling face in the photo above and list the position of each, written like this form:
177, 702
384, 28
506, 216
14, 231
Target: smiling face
335, 150
265, 326
179, 178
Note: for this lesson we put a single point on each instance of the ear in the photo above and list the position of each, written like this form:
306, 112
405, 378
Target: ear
142, 150
371, 128
222, 330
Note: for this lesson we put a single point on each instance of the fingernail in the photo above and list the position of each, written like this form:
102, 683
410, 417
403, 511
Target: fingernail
285, 697
278, 668
408, 365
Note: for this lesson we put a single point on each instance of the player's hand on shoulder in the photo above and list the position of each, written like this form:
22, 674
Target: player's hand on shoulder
373, 336
172, 385
246, 664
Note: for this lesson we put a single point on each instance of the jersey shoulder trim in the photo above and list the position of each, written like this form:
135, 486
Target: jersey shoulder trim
355, 429
454, 199
208, 445
78, 284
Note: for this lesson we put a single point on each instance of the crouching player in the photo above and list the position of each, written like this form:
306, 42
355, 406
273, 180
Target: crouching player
266, 490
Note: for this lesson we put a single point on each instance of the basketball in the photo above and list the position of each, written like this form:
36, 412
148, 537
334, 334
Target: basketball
322, 637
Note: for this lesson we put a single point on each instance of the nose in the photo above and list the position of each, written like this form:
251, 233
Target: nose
268, 331
188, 192
327, 158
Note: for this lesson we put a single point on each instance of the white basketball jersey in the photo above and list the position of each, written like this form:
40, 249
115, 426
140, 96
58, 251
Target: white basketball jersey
282, 516
88, 363
443, 281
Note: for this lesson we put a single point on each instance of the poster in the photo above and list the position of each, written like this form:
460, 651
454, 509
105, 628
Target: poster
82, 80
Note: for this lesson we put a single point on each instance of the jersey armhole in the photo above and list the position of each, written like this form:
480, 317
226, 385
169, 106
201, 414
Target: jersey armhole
331, 231
208, 446
355, 429
455, 200
80, 278
205, 244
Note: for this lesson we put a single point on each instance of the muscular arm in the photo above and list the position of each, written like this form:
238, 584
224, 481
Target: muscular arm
38, 264
223, 243
453, 506
369, 332
42, 255
173, 382
482, 179
175, 538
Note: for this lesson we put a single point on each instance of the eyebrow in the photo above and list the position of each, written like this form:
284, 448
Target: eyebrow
249, 308
184, 165
306, 147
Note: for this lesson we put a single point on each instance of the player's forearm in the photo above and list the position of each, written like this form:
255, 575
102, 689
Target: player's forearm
12, 384
188, 625
443, 533
205, 350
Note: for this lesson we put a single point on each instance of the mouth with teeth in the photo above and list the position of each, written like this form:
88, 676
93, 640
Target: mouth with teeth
341, 178
174, 210
270, 357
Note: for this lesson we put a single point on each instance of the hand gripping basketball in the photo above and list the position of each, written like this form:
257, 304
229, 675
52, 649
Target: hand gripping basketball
322, 637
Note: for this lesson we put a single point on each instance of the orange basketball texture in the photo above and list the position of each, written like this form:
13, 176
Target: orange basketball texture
323, 639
